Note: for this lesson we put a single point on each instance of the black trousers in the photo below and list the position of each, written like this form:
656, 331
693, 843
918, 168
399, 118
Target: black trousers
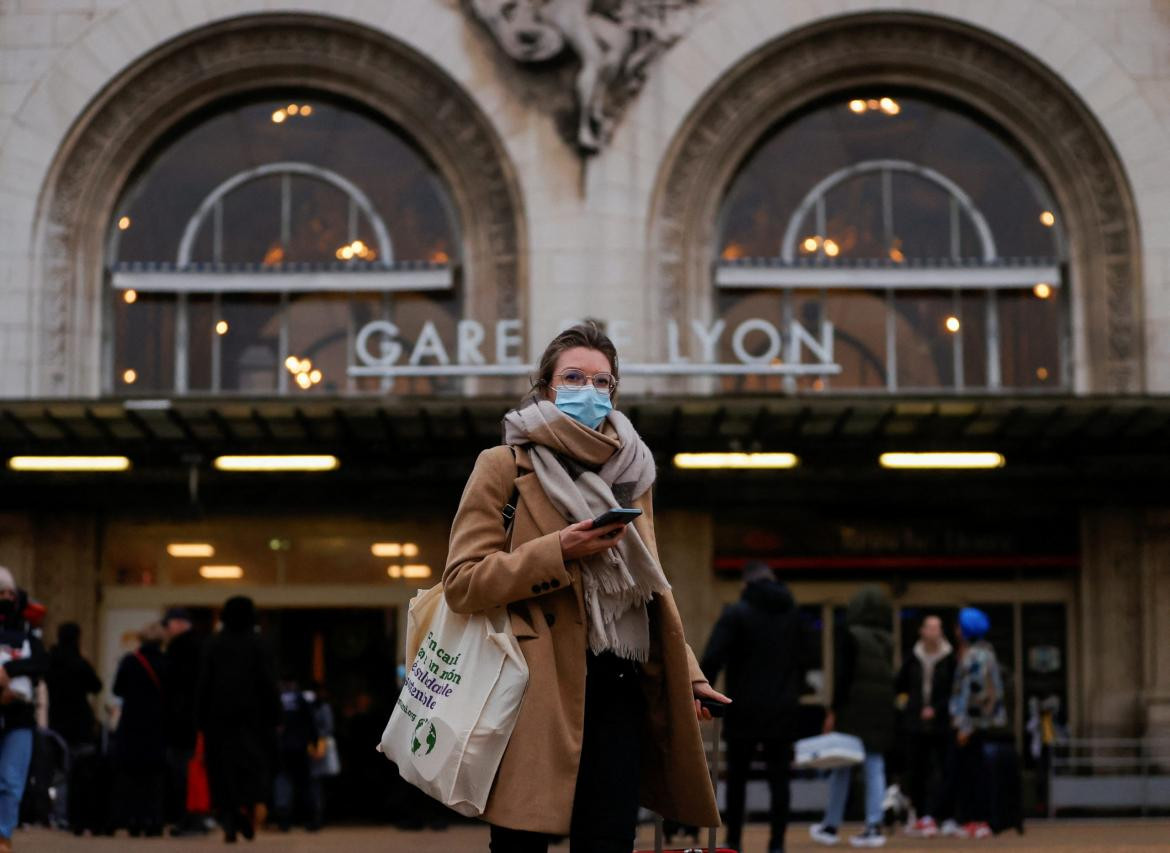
777, 759
926, 757
605, 805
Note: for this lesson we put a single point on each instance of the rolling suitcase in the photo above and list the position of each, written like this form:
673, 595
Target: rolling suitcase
716, 710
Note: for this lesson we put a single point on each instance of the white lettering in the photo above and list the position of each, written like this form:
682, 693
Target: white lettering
799, 335
708, 338
429, 344
389, 346
507, 337
746, 328
470, 334
673, 356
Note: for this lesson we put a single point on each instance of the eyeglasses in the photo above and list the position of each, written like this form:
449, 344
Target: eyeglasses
603, 383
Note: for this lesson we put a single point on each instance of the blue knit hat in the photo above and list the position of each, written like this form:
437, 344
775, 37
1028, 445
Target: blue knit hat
974, 623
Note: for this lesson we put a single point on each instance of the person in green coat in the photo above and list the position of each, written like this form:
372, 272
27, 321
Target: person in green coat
863, 706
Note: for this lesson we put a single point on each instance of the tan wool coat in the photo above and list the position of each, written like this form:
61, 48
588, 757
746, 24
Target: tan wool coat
537, 777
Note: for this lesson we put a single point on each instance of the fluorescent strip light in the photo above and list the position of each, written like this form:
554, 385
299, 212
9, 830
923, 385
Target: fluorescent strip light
386, 549
394, 571
735, 460
69, 463
942, 460
221, 573
416, 571
190, 549
277, 463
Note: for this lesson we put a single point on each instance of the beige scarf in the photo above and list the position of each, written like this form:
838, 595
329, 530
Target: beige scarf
585, 472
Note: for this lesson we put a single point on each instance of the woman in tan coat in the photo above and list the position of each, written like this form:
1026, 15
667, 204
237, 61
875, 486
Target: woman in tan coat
610, 717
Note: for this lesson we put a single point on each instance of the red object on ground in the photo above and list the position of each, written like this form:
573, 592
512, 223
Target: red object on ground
198, 791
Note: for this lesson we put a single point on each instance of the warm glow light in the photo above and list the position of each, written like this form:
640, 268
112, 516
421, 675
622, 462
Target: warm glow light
857, 105
279, 116
410, 550
315, 376
818, 384
896, 256
1048, 219
346, 252
293, 109
942, 460
1042, 373
386, 549
952, 324
306, 462
810, 244
130, 297
190, 549
293, 364
890, 106
735, 460
831, 248
130, 376
394, 571
1042, 290
730, 253
69, 463
305, 366
304, 381
873, 103
306, 110
221, 328
221, 573
123, 223
416, 571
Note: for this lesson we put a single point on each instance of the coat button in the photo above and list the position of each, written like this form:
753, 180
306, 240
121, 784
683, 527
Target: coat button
550, 618
555, 583
546, 585
536, 589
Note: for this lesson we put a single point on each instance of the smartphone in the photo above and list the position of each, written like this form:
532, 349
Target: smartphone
615, 515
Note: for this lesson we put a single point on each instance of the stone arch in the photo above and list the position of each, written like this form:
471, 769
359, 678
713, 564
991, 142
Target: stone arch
247, 54
948, 58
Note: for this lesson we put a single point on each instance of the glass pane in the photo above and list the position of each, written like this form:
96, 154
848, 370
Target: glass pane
251, 223
1045, 665
250, 351
854, 219
144, 342
925, 342
1030, 333
201, 328
767, 305
859, 337
974, 335
318, 336
922, 217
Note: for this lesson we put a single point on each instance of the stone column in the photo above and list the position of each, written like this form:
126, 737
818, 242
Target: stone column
1155, 599
66, 576
686, 547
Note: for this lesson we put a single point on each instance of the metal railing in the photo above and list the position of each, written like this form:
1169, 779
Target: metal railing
1110, 774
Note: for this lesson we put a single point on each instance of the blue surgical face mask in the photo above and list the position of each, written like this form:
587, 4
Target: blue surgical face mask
583, 404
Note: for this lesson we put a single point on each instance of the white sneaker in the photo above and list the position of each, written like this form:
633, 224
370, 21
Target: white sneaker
950, 829
822, 834
871, 837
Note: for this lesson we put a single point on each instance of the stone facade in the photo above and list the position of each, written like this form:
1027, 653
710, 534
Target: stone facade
79, 79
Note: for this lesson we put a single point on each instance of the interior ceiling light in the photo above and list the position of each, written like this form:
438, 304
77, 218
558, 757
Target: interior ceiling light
386, 549
221, 573
190, 549
69, 463
416, 571
735, 460
317, 462
942, 460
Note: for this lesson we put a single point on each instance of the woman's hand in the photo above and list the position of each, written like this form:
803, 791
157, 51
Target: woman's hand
830, 722
703, 690
581, 540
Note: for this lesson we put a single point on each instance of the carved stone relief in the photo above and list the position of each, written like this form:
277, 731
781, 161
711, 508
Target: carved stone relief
933, 54
254, 54
611, 43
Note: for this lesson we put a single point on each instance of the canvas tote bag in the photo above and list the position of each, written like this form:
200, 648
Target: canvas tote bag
465, 679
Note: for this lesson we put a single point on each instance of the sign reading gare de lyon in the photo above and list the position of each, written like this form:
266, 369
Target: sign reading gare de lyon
758, 345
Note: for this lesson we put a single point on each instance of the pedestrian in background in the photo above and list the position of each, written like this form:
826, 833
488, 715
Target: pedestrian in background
184, 652
863, 706
977, 709
759, 643
925, 681
297, 738
23, 663
71, 680
238, 707
140, 743
325, 760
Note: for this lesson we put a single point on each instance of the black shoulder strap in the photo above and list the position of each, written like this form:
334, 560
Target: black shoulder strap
509, 510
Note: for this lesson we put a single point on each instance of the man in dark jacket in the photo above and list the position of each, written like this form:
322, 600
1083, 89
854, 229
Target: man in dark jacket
238, 708
759, 641
863, 706
23, 663
924, 683
184, 652
71, 681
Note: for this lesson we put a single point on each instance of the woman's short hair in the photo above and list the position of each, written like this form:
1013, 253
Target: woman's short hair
152, 633
588, 335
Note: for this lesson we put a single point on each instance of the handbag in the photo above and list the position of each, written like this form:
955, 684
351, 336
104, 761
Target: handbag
324, 760
825, 752
459, 702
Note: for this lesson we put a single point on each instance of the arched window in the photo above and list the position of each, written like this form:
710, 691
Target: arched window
260, 236
916, 230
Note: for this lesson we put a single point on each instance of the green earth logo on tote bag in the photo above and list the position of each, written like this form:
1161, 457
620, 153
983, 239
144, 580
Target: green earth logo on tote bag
416, 742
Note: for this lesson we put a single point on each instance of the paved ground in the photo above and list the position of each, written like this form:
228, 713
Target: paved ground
1079, 836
